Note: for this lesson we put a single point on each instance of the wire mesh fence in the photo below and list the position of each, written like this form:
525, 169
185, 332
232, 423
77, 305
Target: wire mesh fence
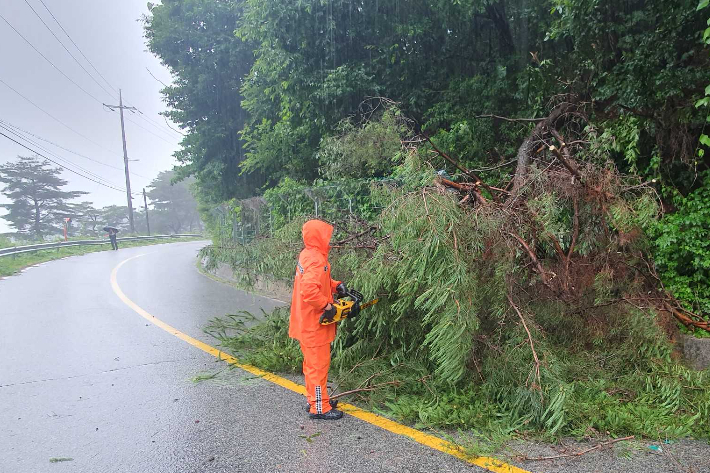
243, 220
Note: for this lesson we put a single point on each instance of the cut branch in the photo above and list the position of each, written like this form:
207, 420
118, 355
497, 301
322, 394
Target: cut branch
355, 237
577, 454
471, 174
374, 387
575, 226
686, 320
563, 154
527, 149
536, 262
470, 189
532, 345
523, 120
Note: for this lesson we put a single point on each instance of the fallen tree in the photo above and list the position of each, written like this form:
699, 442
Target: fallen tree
528, 304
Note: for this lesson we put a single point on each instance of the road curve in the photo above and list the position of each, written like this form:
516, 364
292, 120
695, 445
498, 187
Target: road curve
83, 376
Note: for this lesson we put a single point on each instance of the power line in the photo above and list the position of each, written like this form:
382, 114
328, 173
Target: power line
148, 121
77, 47
168, 131
147, 130
50, 62
63, 148
165, 133
153, 76
176, 131
55, 118
142, 115
67, 50
166, 86
84, 170
58, 146
157, 125
60, 165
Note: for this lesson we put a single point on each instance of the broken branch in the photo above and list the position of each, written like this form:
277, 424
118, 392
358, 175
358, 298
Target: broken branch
577, 454
470, 174
563, 154
536, 262
532, 345
524, 120
368, 388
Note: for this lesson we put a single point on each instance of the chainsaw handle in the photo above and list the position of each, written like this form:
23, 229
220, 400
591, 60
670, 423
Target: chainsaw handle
328, 314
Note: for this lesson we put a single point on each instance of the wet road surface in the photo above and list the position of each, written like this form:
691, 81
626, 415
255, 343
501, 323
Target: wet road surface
82, 376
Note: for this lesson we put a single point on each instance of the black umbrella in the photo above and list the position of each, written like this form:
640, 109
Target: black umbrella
108, 229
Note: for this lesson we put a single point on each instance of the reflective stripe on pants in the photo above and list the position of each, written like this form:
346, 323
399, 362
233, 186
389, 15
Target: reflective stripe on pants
316, 362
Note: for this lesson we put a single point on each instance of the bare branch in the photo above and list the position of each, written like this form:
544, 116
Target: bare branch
536, 262
523, 120
469, 173
532, 345
577, 454
564, 155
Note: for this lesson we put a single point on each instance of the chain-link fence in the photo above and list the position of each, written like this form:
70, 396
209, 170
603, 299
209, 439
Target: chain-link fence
242, 221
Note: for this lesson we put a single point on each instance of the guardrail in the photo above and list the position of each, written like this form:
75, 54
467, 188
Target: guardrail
16, 250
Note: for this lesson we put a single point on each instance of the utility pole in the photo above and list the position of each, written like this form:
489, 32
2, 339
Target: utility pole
120, 107
145, 203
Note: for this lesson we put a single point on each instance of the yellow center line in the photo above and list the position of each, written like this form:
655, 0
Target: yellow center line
488, 463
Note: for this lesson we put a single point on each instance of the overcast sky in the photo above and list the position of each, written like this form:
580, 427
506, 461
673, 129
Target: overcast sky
108, 33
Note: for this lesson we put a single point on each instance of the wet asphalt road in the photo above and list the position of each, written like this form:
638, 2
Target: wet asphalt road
83, 376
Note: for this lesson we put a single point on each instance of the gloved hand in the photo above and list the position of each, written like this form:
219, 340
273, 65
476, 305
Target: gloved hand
341, 289
354, 311
328, 314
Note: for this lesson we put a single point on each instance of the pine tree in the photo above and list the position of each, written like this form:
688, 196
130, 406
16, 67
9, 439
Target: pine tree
38, 203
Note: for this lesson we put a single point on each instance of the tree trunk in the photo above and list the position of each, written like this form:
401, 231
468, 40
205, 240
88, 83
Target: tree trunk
37, 228
496, 12
527, 149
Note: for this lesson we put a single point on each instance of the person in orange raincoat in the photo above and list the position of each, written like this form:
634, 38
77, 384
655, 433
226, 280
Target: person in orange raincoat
313, 290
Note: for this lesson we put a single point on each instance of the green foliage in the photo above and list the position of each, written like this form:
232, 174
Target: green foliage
643, 60
282, 104
365, 151
174, 206
447, 348
38, 205
293, 72
619, 386
683, 249
264, 344
704, 138
273, 257
195, 40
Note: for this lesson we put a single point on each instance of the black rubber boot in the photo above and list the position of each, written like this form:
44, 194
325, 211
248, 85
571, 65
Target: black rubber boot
333, 414
333, 404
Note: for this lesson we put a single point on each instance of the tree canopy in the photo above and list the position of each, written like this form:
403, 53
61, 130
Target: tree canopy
174, 206
282, 76
38, 203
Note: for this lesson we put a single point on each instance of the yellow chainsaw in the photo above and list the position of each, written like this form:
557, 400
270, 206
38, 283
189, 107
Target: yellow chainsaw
345, 308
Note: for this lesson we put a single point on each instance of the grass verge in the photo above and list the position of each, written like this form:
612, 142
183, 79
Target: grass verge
10, 265
662, 401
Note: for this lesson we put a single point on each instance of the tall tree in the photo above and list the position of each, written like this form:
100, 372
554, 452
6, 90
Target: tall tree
195, 40
85, 218
38, 204
115, 216
175, 206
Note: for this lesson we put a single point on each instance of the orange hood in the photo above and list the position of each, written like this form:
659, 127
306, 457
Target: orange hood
316, 236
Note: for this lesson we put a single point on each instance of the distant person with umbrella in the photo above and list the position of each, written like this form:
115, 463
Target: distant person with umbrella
112, 232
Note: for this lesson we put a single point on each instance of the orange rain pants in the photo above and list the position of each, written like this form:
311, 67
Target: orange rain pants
313, 290
316, 362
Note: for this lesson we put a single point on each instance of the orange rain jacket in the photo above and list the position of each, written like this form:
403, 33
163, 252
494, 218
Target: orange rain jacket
313, 288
